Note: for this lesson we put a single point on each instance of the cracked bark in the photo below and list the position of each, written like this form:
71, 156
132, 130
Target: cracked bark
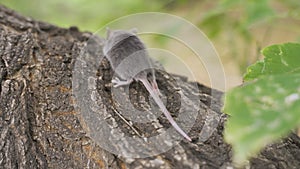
40, 128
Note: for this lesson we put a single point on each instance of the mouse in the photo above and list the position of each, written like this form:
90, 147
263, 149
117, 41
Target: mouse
129, 58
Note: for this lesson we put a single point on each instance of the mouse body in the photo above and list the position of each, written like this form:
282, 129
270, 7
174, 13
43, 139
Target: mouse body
129, 58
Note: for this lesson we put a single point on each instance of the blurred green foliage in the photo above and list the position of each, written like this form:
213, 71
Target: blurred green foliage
238, 17
87, 15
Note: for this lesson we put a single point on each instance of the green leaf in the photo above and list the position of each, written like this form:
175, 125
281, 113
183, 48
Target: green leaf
261, 112
278, 59
267, 107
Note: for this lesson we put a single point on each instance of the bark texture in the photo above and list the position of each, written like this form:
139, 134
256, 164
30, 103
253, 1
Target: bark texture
40, 127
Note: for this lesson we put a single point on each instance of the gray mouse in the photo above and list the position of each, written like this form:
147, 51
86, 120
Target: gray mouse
129, 59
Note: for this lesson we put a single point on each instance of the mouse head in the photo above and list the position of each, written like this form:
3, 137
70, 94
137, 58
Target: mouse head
115, 36
110, 34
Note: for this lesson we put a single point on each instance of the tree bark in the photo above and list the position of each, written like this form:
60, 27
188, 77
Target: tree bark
41, 128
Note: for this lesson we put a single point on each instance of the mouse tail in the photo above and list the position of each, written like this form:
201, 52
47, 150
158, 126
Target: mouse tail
163, 108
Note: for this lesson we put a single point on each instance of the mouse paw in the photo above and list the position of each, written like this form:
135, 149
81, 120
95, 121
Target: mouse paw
117, 82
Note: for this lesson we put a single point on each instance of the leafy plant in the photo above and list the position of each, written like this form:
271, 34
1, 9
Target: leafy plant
267, 107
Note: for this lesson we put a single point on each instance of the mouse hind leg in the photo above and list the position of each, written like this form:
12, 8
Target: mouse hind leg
117, 82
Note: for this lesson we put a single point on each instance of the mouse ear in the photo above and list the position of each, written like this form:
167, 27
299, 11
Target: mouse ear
134, 30
108, 32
